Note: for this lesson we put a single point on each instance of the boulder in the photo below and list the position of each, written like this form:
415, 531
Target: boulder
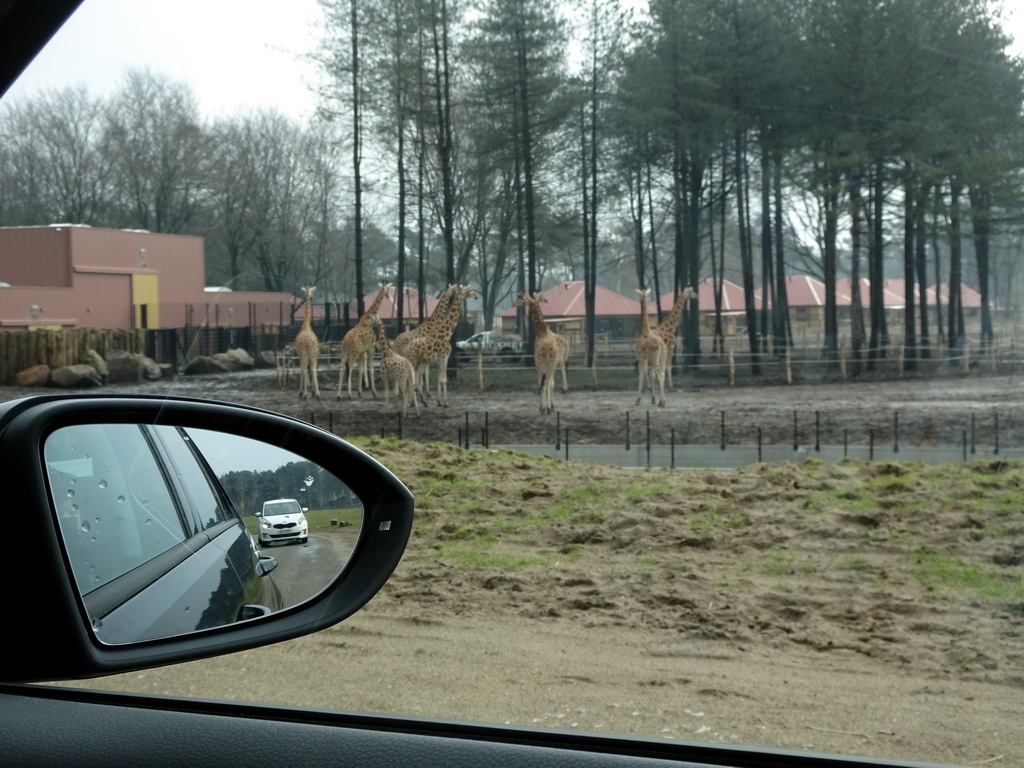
95, 359
78, 375
244, 358
123, 367
229, 362
150, 370
130, 368
266, 359
36, 376
202, 365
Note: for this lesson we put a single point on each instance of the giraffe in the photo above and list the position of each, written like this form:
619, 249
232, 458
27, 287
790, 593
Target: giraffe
307, 346
667, 328
395, 369
434, 345
549, 350
651, 355
404, 341
358, 347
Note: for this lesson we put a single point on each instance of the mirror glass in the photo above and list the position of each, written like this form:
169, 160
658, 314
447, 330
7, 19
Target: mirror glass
170, 530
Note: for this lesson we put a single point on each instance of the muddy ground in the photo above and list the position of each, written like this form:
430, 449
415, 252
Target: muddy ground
799, 626
987, 410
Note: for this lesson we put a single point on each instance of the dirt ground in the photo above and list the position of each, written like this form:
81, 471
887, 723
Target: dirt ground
929, 411
794, 630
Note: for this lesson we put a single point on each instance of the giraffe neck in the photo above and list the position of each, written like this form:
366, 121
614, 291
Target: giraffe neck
446, 326
645, 321
440, 311
376, 304
308, 319
539, 326
671, 321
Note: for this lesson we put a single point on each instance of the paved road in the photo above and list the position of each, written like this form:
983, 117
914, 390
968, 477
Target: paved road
304, 569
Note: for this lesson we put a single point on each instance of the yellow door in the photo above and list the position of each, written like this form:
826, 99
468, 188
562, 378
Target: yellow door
146, 301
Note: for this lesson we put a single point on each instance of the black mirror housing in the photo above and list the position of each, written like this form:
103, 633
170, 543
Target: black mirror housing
44, 609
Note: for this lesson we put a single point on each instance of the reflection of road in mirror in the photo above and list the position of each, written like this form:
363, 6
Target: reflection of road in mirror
301, 567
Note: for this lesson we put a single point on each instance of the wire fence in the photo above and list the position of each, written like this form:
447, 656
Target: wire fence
650, 439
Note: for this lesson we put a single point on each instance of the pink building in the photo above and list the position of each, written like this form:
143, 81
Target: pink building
73, 276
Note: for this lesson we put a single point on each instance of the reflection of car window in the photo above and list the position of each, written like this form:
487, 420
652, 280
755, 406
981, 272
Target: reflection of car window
115, 509
209, 509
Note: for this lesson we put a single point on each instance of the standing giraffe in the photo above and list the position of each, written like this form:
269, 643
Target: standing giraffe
549, 350
651, 355
434, 345
358, 347
404, 341
395, 369
667, 328
307, 347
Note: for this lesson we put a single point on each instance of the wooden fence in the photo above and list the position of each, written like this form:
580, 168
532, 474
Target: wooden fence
20, 350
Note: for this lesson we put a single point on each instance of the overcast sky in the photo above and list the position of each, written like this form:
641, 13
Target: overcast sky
235, 54
222, 48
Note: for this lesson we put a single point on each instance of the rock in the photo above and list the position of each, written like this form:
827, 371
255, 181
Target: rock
244, 358
95, 359
78, 375
123, 367
150, 370
203, 365
229, 362
130, 368
36, 376
266, 359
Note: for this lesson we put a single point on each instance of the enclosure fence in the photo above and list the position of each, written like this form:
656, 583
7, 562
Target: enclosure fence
647, 441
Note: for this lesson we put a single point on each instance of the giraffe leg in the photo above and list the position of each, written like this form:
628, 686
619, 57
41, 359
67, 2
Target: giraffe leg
314, 378
442, 381
369, 371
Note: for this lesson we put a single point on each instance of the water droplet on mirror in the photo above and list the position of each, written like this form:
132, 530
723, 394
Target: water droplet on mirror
103, 483
149, 521
74, 507
71, 492
120, 499
86, 527
97, 624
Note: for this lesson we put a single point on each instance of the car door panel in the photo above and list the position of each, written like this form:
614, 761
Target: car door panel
166, 732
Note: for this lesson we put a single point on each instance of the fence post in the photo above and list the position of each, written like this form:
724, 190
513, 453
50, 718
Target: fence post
896, 432
672, 447
648, 439
558, 429
722, 444
627, 430
996, 436
796, 433
817, 431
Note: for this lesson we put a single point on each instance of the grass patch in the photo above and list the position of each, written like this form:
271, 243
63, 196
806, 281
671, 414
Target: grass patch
953, 575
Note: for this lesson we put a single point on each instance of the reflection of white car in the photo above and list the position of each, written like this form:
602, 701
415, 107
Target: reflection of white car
283, 520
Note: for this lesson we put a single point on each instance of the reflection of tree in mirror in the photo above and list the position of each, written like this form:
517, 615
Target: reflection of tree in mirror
249, 489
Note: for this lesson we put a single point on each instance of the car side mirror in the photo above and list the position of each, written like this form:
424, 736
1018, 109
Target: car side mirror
133, 526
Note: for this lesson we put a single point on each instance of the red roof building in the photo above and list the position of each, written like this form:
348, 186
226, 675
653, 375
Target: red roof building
388, 309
